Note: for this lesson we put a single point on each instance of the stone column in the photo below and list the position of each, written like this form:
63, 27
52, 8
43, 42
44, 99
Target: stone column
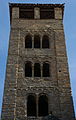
37, 104
41, 42
37, 13
32, 69
25, 106
32, 41
41, 69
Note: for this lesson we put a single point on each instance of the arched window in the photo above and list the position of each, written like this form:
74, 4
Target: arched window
31, 106
28, 69
45, 42
37, 70
46, 70
43, 105
28, 41
36, 41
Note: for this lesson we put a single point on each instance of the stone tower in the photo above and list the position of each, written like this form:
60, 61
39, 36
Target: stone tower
37, 78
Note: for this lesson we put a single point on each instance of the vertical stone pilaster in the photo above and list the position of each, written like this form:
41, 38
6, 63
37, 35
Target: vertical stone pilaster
32, 41
41, 42
15, 12
15, 15
58, 13
32, 69
37, 13
63, 76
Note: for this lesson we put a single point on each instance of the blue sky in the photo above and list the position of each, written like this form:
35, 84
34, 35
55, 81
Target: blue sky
70, 36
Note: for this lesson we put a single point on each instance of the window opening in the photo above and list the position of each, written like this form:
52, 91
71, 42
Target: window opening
36, 41
45, 42
37, 71
31, 106
28, 41
43, 105
26, 13
46, 71
47, 13
28, 69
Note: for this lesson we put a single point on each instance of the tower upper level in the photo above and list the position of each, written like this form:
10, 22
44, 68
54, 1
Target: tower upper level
36, 11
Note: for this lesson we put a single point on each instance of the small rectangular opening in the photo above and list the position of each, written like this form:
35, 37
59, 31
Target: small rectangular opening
26, 13
47, 13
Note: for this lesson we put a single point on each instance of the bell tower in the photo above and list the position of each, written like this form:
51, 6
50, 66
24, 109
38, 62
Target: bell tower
37, 77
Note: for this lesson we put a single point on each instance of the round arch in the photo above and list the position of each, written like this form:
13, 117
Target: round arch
43, 105
45, 41
28, 41
31, 105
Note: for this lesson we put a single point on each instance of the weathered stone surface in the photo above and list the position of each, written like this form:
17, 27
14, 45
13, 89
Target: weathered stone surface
18, 87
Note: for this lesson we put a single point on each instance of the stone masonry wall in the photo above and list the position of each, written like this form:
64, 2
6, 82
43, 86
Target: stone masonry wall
57, 86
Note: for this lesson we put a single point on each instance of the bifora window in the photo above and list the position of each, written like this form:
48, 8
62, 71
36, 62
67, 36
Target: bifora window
47, 13
26, 13
37, 107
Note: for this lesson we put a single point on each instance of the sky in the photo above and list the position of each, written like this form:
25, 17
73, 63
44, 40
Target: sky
70, 38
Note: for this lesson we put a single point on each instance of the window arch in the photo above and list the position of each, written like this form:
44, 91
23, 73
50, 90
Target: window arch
43, 105
37, 70
28, 41
31, 105
36, 41
46, 70
28, 69
45, 42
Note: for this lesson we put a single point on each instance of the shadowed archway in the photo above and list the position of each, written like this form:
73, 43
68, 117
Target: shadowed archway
31, 105
43, 105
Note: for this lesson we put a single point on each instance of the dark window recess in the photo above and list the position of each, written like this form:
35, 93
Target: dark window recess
43, 105
28, 41
46, 70
45, 42
37, 71
36, 41
47, 13
26, 13
31, 106
28, 69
